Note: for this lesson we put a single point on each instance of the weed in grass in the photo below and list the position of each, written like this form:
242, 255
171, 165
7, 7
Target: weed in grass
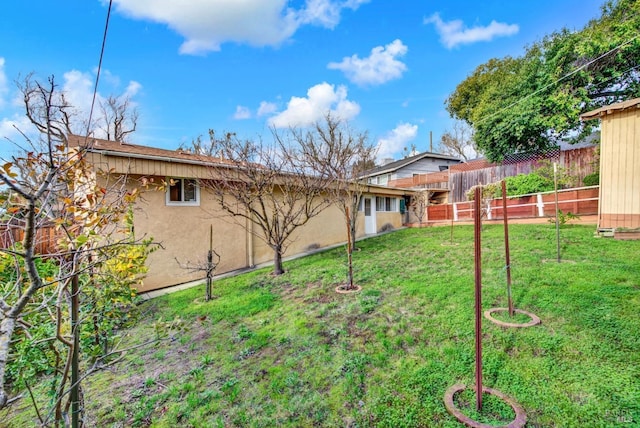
184, 339
369, 300
167, 376
160, 354
197, 374
243, 333
354, 372
231, 389
207, 360
495, 411
245, 353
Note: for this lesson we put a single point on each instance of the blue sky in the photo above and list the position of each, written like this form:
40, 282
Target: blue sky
248, 66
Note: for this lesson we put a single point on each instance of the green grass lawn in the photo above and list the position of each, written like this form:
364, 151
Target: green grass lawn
288, 351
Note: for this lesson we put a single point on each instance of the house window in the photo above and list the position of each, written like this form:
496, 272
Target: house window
386, 204
183, 191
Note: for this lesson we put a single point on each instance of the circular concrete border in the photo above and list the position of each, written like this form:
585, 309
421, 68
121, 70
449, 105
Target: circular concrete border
519, 421
449, 244
341, 290
534, 319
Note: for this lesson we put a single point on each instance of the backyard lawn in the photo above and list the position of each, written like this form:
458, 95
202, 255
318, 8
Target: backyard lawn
289, 351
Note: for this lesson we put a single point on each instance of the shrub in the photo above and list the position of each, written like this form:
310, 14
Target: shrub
524, 184
591, 179
564, 218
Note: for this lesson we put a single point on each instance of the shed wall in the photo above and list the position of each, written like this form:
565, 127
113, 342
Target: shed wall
620, 170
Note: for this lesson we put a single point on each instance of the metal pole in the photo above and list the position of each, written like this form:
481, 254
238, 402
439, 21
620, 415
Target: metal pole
451, 205
555, 187
478, 295
209, 264
506, 245
75, 330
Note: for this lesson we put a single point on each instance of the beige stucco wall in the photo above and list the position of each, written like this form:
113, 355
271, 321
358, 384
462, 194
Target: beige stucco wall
383, 218
183, 231
620, 170
326, 229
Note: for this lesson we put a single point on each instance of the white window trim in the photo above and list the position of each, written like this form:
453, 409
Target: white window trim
395, 205
169, 202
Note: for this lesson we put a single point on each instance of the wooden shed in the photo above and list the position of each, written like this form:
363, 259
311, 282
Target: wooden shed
619, 205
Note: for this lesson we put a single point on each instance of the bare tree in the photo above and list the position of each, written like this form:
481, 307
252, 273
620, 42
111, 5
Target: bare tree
266, 186
419, 204
118, 118
199, 147
459, 141
336, 152
53, 186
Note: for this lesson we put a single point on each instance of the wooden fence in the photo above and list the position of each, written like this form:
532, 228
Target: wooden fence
579, 163
579, 201
461, 177
45, 240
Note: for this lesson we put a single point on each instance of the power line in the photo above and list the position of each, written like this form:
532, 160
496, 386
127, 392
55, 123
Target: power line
95, 87
620, 46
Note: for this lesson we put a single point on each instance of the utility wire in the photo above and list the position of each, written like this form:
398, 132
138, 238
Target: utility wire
620, 46
95, 87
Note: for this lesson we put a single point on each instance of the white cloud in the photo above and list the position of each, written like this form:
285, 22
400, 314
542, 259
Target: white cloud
206, 24
321, 99
396, 140
242, 112
453, 33
4, 87
9, 129
327, 12
78, 91
266, 108
379, 67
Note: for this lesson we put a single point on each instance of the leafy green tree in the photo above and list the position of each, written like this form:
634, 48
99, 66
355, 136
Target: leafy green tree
530, 103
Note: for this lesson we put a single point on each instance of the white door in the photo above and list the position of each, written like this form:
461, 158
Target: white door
369, 216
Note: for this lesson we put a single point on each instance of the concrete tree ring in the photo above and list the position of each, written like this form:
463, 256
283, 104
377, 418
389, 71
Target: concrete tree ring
534, 319
341, 290
449, 244
519, 421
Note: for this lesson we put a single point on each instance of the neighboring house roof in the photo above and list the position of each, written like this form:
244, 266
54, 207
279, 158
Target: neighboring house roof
394, 166
115, 148
603, 111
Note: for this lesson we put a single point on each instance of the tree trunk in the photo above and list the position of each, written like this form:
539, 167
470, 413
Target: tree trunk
277, 260
349, 253
7, 326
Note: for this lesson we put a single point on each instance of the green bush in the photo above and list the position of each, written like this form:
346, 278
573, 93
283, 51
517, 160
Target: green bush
524, 184
591, 179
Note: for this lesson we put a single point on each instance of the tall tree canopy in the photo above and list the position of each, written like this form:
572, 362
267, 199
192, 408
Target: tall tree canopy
530, 102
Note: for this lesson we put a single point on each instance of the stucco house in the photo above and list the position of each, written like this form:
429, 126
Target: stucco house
619, 204
181, 216
422, 163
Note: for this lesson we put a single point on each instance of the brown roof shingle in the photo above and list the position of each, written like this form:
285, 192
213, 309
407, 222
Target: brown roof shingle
115, 148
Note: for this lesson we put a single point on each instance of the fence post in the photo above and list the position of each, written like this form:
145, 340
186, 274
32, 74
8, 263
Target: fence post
455, 211
540, 205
